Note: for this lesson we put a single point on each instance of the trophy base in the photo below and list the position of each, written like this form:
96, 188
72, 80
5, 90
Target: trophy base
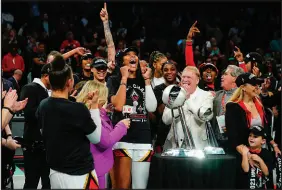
181, 152
213, 150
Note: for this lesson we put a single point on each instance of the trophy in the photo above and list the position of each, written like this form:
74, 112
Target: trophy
174, 97
213, 147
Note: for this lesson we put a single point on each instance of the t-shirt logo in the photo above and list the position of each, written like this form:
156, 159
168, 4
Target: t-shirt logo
134, 96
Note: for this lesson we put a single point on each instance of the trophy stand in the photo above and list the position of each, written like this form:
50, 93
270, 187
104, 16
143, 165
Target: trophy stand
188, 150
213, 147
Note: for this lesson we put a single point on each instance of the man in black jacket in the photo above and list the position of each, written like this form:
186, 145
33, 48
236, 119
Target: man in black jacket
35, 164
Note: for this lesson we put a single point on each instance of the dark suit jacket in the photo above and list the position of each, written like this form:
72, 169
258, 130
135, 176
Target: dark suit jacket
35, 94
216, 112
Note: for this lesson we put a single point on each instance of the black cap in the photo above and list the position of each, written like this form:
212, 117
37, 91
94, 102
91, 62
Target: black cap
258, 131
86, 56
99, 63
253, 57
169, 62
46, 69
247, 78
122, 53
204, 66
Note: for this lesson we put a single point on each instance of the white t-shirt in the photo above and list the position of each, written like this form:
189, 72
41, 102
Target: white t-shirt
157, 81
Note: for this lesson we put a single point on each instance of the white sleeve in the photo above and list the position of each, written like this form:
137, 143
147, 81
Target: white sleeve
150, 99
95, 136
204, 110
167, 117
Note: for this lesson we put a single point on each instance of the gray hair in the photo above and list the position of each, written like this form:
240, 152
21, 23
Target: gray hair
235, 71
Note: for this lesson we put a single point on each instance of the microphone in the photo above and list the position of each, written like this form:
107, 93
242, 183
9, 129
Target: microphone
128, 109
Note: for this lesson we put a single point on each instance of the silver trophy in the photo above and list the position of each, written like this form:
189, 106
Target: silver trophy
212, 147
174, 97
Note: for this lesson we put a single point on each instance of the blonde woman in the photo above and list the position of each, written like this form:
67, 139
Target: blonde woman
243, 111
102, 152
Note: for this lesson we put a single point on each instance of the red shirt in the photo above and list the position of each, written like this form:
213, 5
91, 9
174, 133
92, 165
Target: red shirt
11, 63
66, 43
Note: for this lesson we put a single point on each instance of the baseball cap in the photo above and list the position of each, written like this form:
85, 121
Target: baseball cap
247, 78
258, 131
254, 57
46, 69
204, 66
122, 53
99, 63
87, 56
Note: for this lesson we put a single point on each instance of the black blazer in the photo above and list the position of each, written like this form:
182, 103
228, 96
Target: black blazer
237, 126
35, 94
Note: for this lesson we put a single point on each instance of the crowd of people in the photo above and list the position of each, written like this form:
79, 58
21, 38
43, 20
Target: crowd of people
74, 96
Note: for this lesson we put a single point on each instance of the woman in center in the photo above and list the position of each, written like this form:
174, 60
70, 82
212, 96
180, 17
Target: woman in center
132, 89
102, 152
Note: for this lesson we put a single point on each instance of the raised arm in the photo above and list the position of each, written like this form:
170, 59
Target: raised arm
108, 35
239, 57
189, 57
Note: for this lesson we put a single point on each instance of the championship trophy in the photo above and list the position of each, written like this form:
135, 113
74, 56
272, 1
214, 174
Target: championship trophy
174, 97
213, 147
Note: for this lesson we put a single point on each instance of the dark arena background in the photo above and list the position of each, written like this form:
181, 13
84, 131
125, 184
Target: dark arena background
156, 25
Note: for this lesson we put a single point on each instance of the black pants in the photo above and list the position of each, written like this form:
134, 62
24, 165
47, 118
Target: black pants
35, 166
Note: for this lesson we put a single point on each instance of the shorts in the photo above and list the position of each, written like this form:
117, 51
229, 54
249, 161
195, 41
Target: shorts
61, 180
135, 154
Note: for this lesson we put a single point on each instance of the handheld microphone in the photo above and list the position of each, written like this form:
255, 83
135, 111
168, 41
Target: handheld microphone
128, 109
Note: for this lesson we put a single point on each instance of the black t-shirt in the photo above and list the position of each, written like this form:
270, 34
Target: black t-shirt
78, 77
36, 69
65, 125
255, 179
139, 131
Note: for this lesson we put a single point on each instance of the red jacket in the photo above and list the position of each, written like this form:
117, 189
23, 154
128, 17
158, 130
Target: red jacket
11, 63
189, 57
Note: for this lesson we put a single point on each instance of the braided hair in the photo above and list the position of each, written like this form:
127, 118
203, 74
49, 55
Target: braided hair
155, 57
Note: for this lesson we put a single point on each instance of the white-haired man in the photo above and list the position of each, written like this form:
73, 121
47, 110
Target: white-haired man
197, 110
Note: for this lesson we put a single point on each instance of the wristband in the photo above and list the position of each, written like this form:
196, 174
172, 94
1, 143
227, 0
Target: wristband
122, 83
11, 112
9, 135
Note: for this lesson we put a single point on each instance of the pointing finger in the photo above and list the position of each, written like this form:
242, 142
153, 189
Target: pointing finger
194, 24
105, 6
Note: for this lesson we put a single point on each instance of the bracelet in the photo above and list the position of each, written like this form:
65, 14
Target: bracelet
122, 83
9, 135
11, 112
